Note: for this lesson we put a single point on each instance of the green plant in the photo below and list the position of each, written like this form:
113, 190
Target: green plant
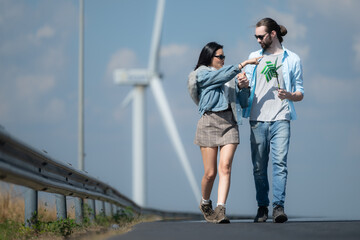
33, 221
10, 229
124, 214
41, 226
102, 220
64, 227
88, 213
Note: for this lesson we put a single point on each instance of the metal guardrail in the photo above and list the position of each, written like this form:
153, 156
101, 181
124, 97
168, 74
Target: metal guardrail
23, 165
26, 166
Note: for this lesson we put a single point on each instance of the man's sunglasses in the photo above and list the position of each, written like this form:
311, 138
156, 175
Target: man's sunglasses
260, 36
221, 57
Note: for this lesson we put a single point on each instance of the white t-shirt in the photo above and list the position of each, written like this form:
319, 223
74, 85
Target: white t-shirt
267, 106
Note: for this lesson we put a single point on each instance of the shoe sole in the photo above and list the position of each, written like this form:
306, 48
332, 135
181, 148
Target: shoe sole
260, 220
280, 219
217, 221
222, 221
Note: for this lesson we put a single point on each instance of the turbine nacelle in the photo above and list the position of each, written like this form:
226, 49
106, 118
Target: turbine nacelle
137, 76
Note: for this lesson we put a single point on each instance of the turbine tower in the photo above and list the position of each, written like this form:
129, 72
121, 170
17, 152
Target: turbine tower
140, 79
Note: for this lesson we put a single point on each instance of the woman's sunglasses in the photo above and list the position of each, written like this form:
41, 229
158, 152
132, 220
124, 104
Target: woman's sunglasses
221, 57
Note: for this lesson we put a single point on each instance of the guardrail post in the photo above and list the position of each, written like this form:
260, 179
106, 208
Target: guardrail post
103, 208
114, 209
79, 210
92, 208
61, 209
111, 209
107, 209
31, 207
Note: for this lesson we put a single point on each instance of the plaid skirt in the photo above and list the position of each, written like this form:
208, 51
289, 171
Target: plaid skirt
216, 129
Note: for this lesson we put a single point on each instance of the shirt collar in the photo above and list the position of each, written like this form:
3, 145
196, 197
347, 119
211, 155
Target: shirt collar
285, 51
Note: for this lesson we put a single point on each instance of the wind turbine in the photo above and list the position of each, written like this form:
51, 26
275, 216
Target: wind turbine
140, 79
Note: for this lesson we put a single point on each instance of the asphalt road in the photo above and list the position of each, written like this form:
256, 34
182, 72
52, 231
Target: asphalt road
244, 229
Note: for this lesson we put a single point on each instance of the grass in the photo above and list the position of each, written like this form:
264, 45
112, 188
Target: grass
48, 227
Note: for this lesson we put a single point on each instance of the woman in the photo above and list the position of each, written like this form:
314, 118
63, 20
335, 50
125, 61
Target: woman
218, 125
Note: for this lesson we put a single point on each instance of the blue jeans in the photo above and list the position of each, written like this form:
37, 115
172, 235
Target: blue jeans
266, 136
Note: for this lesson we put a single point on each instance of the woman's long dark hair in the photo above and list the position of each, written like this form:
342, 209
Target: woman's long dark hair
207, 53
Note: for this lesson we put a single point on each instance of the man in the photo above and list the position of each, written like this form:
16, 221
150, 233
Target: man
275, 84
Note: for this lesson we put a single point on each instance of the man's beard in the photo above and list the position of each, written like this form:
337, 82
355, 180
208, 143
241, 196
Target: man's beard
266, 45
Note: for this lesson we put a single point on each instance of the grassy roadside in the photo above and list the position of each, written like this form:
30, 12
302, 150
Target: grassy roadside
48, 227
102, 228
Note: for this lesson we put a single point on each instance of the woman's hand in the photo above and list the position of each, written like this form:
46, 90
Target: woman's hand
254, 60
243, 82
250, 61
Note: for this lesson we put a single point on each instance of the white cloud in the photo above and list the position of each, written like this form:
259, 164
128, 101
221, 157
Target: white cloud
10, 11
329, 90
123, 58
14, 46
177, 59
29, 99
302, 51
45, 32
328, 8
51, 60
174, 50
54, 110
33, 25
295, 29
33, 86
35, 57
296, 32
42, 33
239, 53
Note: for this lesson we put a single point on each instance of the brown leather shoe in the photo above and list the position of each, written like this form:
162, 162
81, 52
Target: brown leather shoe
219, 215
207, 210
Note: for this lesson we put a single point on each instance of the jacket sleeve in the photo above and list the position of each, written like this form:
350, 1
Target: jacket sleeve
243, 96
214, 79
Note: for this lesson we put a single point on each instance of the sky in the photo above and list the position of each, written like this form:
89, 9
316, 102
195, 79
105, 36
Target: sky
39, 43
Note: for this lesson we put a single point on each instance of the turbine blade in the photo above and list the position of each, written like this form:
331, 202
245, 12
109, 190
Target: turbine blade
156, 37
164, 108
127, 99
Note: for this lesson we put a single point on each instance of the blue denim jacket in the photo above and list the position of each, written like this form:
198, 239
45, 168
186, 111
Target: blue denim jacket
292, 73
210, 86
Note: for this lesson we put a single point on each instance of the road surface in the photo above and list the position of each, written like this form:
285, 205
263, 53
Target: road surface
244, 229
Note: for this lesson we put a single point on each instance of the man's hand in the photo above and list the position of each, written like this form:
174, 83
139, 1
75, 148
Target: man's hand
283, 94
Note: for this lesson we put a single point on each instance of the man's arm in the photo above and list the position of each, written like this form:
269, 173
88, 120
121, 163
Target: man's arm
292, 96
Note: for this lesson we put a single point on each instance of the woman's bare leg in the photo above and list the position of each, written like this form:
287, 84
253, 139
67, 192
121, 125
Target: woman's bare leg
226, 157
209, 156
